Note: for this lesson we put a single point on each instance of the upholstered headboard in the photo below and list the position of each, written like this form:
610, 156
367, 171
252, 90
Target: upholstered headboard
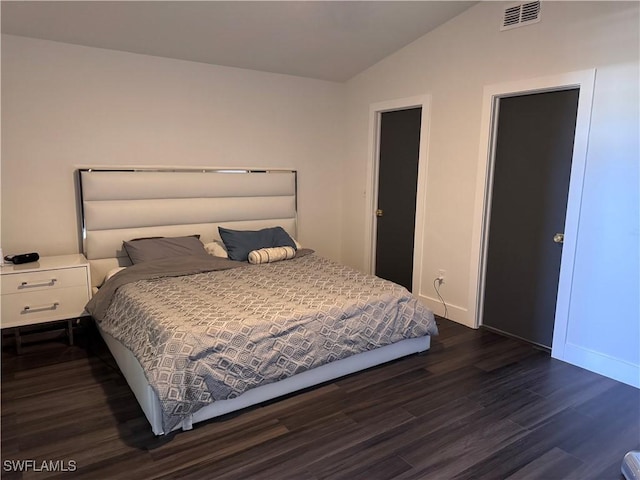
119, 205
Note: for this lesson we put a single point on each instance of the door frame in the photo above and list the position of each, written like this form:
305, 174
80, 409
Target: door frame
585, 81
371, 192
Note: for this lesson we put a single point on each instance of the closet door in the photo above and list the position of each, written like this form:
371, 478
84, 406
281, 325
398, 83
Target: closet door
532, 166
397, 185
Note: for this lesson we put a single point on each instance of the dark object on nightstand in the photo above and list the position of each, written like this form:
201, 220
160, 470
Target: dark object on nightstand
22, 258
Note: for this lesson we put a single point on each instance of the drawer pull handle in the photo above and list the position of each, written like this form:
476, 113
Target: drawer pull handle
47, 283
53, 306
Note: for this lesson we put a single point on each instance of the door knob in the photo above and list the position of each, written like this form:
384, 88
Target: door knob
379, 213
558, 238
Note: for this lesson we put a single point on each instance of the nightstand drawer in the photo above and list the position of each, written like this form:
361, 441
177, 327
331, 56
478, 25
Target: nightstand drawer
43, 280
43, 306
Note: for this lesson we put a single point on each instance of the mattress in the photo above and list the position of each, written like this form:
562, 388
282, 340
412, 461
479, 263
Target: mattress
204, 333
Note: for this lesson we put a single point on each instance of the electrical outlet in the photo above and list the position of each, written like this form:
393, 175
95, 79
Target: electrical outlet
441, 276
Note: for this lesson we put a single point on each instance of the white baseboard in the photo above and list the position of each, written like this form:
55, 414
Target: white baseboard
591, 360
454, 312
606, 365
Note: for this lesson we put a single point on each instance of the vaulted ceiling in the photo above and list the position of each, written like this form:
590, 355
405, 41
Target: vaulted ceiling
329, 40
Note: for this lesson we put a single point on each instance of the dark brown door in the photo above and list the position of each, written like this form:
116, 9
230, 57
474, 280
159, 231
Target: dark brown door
534, 148
397, 184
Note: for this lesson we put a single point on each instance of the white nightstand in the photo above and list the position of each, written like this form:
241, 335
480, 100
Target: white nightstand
53, 288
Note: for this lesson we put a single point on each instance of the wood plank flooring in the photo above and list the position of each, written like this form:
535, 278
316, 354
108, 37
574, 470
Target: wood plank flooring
476, 406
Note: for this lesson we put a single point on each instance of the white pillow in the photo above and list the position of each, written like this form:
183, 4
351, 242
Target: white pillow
216, 248
273, 254
112, 272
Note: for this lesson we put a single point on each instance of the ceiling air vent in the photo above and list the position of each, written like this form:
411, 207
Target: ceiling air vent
520, 15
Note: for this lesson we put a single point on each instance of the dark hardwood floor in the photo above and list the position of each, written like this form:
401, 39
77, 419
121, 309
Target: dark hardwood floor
476, 406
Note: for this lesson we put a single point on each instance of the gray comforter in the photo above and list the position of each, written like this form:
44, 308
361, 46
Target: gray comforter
210, 329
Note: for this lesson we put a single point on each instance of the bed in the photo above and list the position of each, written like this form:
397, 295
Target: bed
198, 336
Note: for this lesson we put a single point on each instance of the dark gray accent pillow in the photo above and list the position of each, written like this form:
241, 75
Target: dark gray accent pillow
147, 249
240, 242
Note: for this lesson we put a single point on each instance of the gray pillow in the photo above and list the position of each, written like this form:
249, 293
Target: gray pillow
240, 242
147, 249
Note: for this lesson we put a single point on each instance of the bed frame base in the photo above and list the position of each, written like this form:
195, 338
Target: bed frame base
148, 400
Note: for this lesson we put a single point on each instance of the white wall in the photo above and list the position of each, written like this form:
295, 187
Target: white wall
66, 105
453, 64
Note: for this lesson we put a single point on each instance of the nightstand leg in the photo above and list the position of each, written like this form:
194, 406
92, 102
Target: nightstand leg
16, 333
70, 331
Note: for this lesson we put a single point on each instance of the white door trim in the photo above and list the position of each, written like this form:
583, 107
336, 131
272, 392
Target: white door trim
585, 80
371, 195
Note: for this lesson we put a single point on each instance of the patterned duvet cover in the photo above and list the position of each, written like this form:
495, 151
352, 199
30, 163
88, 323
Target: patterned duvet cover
212, 330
